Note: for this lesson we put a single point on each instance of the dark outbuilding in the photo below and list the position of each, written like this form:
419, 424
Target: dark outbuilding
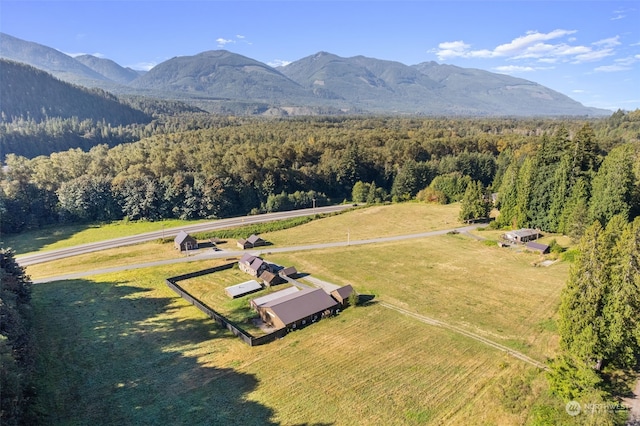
541, 248
184, 241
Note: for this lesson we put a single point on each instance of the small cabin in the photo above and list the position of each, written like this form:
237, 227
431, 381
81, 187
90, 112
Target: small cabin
522, 236
342, 294
184, 242
251, 242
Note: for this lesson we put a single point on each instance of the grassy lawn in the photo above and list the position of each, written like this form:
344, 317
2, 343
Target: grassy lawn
371, 222
124, 349
56, 237
491, 291
121, 256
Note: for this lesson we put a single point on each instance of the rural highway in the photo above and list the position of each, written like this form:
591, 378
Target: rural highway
204, 254
48, 256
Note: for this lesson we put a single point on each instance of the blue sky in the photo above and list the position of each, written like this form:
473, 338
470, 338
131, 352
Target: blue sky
588, 50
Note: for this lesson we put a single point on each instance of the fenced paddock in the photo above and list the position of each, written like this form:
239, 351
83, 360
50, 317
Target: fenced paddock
242, 334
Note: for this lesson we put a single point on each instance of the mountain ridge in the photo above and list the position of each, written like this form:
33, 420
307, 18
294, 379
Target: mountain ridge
223, 81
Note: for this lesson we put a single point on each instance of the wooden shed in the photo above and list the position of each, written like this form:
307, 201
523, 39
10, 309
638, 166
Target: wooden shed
540, 248
269, 278
342, 294
251, 242
289, 271
184, 241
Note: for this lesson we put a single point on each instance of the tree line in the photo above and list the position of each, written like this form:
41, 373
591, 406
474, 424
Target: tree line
16, 343
231, 166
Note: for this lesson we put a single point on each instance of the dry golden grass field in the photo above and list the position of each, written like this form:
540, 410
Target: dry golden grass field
122, 348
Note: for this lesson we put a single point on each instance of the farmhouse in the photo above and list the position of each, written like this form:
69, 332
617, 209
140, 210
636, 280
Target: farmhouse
297, 309
541, 248
342, 294
251, 242
241, 289
259, 301
252, 265
184, 241
522, 235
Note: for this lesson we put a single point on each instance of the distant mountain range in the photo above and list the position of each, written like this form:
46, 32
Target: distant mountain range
222, 81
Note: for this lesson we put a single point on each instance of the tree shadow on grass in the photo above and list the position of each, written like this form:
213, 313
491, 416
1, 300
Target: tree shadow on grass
113, 353
31, 241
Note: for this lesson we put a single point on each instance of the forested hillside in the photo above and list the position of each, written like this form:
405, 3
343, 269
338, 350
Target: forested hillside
30, 93
550, 174
40, 114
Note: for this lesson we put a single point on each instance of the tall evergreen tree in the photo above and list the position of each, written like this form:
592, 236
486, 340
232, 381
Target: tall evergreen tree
599, 317
613, 186
508, 196
622, 310
575, 214
524, 189
474, 203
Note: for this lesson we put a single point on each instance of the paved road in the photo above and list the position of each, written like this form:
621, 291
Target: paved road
222, 254
48, 256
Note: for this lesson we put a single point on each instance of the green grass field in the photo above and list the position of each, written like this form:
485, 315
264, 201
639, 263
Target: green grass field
122, 348
56, 237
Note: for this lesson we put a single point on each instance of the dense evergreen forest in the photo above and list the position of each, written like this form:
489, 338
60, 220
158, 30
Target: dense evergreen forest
557, 175
16, 343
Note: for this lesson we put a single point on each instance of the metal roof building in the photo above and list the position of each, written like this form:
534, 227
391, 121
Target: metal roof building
241, 289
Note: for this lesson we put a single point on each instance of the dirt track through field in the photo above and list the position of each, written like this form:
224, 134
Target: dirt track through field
471, 335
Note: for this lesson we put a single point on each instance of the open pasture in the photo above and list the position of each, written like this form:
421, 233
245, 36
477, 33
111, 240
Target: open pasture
371, 222
127, 350
490, 291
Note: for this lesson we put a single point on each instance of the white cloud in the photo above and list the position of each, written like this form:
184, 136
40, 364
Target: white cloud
223, 41
452, 49
278, 63
608, 42
534, 45
241, 37
620, 64
612, 68
513, 69
594, 55
578, 91
532, 41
